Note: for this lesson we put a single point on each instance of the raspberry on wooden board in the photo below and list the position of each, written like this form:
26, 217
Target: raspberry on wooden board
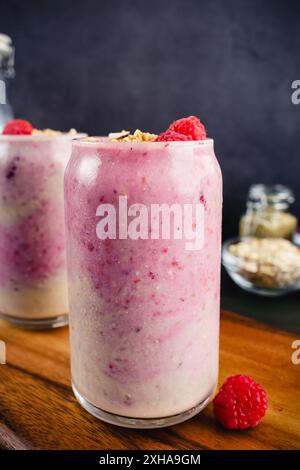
241, 403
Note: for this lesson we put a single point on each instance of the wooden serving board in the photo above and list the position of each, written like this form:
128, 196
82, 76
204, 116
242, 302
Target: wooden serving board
39, 411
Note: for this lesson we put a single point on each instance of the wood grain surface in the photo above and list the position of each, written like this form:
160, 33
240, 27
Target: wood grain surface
39, 411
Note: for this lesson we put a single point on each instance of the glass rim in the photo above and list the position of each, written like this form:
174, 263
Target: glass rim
40, 138
106, 142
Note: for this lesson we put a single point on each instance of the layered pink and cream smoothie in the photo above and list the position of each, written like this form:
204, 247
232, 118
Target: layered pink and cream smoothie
33, 282
144, 306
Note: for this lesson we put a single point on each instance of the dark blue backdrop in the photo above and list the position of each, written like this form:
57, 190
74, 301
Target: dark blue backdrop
106, 65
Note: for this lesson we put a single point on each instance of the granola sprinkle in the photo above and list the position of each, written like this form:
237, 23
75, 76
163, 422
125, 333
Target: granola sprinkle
52, 132
137, 136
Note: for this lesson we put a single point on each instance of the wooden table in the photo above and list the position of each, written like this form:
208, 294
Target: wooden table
39, 411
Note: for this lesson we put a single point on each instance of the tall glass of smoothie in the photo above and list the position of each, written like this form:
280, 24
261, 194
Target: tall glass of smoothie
143, 246
33, 281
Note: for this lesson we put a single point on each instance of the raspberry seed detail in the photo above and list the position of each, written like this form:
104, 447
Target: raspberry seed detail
169, 136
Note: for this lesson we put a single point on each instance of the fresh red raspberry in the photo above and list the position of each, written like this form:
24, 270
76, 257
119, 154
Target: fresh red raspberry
241, 403
190, 126
171, 136
18, 127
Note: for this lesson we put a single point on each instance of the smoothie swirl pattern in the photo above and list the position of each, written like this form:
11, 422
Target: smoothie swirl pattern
144, 312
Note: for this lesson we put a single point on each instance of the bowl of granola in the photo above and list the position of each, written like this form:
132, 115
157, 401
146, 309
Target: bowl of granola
264, 266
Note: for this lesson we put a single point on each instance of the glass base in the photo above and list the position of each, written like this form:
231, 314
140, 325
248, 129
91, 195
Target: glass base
139, 423
37, 323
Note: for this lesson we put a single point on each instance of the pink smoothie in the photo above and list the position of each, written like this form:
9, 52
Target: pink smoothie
144, 313
33, 281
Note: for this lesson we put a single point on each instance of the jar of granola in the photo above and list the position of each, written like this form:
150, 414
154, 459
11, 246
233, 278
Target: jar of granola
267, 212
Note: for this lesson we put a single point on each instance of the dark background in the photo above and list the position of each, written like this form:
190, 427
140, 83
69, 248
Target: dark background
103, 65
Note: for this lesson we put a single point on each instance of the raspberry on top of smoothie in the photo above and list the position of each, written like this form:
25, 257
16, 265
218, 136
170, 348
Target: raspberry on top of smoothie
18, 127
23, 127
189, 128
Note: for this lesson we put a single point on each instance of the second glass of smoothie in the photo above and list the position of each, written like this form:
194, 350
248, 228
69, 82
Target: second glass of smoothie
33, 279
144, 304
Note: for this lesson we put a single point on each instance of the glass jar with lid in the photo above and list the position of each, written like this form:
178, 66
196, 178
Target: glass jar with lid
7, 72
267, 212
